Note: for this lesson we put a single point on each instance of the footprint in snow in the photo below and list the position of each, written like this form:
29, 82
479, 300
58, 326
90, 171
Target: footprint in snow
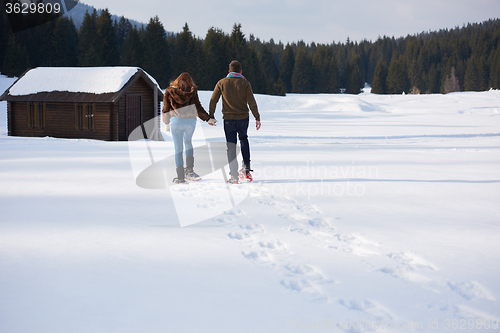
371, 310
259, 248
471, 290
313, 227
325, 235
239, 235
411, 267
405, 274
321, 224
252, 228
412, 260
235, 212
308, 272
274, 245
257, 256
246, 231
297, 212
354, 244
467, 313
299, 230
307, 280
306, 288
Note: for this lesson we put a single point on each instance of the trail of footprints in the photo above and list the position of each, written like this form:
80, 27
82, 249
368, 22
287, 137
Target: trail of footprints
263, 248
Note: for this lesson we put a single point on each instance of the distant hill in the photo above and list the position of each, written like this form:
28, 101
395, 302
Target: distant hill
78, 12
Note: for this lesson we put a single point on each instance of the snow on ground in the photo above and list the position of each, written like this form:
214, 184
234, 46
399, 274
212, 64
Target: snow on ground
368, 213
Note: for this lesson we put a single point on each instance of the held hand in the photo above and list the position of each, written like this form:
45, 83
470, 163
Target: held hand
257, 124
212, 121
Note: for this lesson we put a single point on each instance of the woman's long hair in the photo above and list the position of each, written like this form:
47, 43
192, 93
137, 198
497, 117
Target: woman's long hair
183, 82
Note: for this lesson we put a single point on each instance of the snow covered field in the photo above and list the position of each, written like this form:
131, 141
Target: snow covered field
368, 213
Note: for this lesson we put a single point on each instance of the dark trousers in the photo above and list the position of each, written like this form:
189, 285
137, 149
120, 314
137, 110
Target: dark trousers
233, 129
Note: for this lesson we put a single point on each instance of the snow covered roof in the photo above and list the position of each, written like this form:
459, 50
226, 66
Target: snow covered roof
94, 80
79, 80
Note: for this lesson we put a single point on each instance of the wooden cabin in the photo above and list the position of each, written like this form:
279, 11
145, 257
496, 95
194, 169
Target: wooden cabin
103, 103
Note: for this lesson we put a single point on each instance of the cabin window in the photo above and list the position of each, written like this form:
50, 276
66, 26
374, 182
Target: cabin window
78, 116
36, 115
84, 116
90, 116
40, 115
31, 115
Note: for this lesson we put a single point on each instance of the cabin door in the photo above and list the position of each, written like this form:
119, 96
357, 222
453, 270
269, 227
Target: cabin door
134, 106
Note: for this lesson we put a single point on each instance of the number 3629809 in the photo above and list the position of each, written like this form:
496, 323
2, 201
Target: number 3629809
470, 324
32, 8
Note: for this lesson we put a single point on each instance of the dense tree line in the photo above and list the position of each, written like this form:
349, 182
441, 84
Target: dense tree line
466, 58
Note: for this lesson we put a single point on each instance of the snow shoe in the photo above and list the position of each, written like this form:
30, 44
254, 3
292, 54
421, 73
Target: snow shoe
179, 181
189, 173
180, 176
233, 180
245, 176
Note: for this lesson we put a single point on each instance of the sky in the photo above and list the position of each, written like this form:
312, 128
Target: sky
320, 21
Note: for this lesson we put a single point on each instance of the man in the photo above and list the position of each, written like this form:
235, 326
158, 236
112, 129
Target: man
237, 96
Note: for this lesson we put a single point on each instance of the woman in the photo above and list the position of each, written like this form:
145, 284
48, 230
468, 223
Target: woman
181, 105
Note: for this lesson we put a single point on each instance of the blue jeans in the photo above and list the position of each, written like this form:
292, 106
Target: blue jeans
236, 129
182, 132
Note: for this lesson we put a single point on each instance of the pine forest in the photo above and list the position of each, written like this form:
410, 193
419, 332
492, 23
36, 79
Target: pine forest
465, 58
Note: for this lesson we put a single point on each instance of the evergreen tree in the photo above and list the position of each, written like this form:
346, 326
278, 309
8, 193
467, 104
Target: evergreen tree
253, 71
122, 29
38, 44
87, 37
483, 72
5, 33
320, 70
302, 77
355, 81
411, 54
277, 52
157, 52
433, 79
397, 80
495, 69
65, 43
286, 68
428, 61
270, 70
184, 57
325, 71
267, 61
217, 58
382, 48
379, 83
132, 49
107, 46
472, 78
332, 74
238, 45
341, 56
460, 68
240, 50
15, 62
197, 64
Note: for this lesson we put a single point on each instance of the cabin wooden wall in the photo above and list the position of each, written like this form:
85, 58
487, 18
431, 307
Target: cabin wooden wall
60, 117
59, 121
